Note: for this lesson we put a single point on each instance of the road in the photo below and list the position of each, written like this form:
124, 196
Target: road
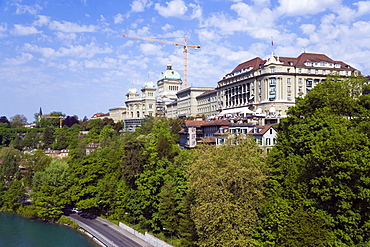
108, 233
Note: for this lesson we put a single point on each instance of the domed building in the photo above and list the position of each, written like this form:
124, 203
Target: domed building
169, 83
151, 102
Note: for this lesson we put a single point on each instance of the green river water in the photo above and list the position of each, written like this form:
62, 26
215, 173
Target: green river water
17, 231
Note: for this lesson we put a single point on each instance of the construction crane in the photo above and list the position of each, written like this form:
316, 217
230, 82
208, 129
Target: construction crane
60, 120
185, 50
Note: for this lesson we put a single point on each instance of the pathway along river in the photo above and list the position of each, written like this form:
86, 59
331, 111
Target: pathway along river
17, 231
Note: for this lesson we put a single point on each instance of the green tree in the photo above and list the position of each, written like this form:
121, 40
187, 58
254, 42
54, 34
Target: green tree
321, 170
48, 136
7, 134
18, 120
228, 184
174, 201
12, 198
9, 170
50, 189
87, 178
160, 151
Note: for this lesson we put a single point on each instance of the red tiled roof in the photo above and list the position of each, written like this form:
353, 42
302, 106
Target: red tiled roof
195, 123
263, 130
255, 63
216, 122
298, 61
209, 139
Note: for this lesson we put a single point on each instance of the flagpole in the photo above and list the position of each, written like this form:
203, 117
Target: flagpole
272, 45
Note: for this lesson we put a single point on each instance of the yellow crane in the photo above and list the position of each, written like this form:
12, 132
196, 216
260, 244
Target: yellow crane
185, 50
60, 120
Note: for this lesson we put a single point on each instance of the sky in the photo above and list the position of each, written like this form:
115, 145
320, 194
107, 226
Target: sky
70, 55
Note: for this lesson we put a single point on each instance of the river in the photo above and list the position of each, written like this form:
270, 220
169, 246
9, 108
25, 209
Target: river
17, 231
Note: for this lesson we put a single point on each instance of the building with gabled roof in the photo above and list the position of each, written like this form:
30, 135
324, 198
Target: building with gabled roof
269, 87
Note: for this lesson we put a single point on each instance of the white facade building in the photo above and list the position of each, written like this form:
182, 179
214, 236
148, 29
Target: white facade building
269, 87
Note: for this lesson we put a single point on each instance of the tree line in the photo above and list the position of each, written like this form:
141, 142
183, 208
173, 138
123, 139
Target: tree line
312, 189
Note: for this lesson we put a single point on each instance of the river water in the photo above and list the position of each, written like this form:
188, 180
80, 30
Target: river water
17, 231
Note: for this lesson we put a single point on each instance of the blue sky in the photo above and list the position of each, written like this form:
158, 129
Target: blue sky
70, 56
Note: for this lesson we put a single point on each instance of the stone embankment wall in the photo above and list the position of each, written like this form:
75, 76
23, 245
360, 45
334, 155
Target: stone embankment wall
147, 237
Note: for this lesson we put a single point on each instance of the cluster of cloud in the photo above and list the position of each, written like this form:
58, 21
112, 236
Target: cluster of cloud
239, 31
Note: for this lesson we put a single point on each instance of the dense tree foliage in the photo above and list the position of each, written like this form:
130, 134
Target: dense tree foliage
319, 193
18, 120
50, 189
228, 184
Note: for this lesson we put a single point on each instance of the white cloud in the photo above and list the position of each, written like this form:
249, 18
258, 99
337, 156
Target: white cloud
206, 36
44, 51
254, 14
66, 37
3, 26
20, 30
150, 49
197, 12
174, 8
305, 7
140, 5
42, 21
118, 18
308, 28
226, 24
363, 7
167, 27
106, 63
31, 9
78, 51
3, 29
74, 65
69, 27
22, 59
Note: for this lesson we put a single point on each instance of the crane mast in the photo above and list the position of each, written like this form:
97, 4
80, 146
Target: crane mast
185, 51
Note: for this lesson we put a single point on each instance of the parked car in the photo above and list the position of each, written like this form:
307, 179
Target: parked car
77, 210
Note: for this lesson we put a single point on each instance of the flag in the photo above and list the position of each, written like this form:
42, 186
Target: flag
272, 41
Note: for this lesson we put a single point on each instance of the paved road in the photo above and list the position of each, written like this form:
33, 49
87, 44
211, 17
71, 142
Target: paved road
108, 233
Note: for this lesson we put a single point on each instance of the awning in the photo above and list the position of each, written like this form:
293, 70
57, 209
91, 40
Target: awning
271, 96
272, 109
246, 110
227, 112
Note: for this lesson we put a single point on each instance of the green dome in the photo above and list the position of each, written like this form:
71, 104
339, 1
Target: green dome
132, 90
169, 74
149, 84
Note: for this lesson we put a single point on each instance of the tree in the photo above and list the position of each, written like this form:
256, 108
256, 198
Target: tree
50, 189
7, 134
159, 150
18, 120
87, 175
227, 182
175, 201
48, 136
9, 166
4, 119
320, 170
70, 121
